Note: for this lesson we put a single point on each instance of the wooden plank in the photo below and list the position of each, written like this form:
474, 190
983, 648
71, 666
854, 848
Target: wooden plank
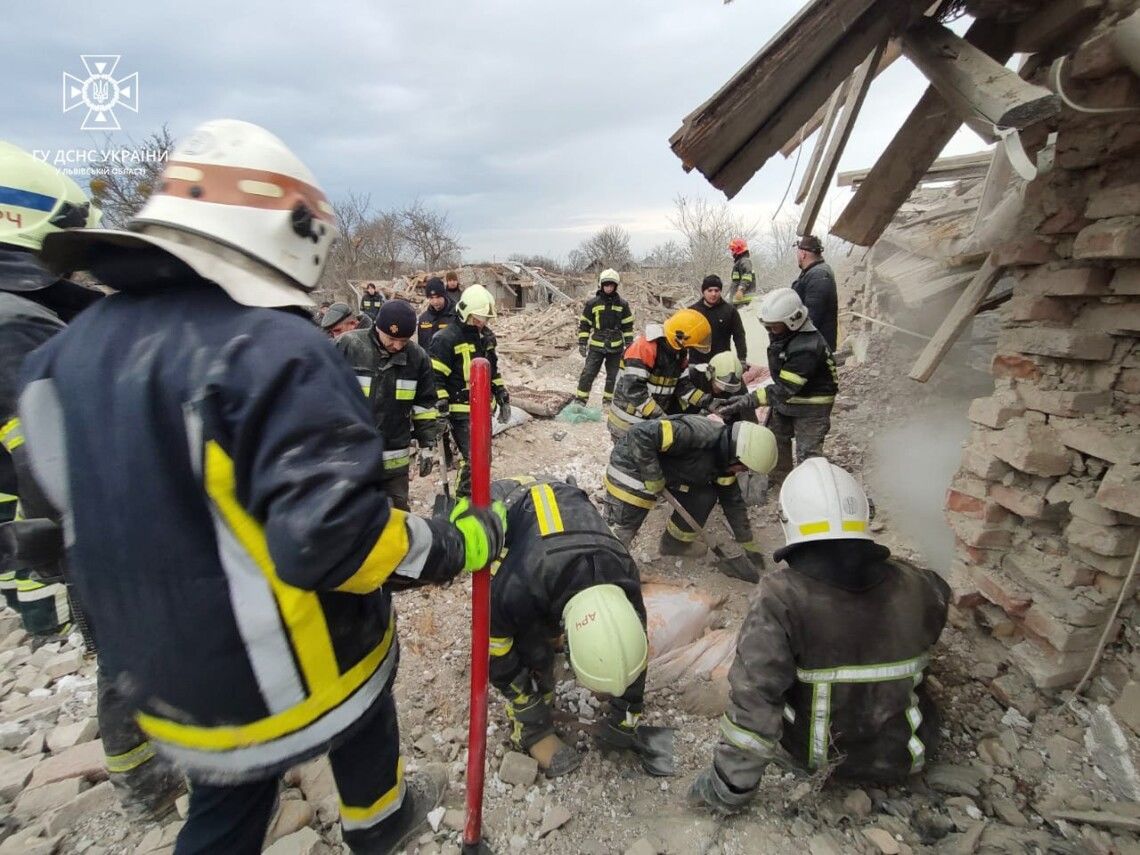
972, 82
943, 169
860, 83
913, 150
1053, 23
956, 321
893, 52
821, 143
782, 124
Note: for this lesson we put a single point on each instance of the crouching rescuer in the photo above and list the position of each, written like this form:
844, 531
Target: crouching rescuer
563, 570
830, 659
239, 518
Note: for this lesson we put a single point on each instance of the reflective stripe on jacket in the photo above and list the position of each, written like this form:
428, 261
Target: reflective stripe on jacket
606, 323
803, 372
646, 386
452, 351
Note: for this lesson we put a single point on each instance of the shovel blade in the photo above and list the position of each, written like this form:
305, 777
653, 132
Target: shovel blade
655, 750
738, 567
443, 506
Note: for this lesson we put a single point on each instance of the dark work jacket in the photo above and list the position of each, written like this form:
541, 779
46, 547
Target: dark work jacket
803, 373
229, 533
370, 304
829, 664
452, 350
400, 388
432, 322
743, 279
679, 450
727, 330
557, 546
606, 323
816, 287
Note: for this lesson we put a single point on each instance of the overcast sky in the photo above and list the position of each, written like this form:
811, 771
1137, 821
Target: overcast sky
532, 124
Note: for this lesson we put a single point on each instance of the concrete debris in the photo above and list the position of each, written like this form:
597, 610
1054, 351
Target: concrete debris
958, 780
304, 842
858, 804
641, 846
435, 817
518, 769
882, 840
1110, 751
556, 817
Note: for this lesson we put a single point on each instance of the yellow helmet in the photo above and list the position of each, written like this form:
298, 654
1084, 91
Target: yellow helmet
37, 199
688, 328
605, 639
726, 371
754, 446
475, 300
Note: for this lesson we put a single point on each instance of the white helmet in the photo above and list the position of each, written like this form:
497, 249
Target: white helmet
783, 306
820, 501
609, 275
475, 300
238, 207
726, 372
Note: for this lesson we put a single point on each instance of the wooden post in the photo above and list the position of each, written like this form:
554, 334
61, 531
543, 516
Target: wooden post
973, 83
914, 148
860, 83
957, 321
821, 143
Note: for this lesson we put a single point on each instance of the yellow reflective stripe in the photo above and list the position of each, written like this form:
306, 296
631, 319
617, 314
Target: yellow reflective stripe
382, 804
792, 377
680, 533
882, 672
628, 321
386, 554
227, 738
465, 350
391, 463
460, 408
743, 738
29, 585
11, 437
815, 528
726, 480
441, 367
425, 415
501, 646
820, 726
441, 394
546, 510
119, 763
497, 381
854, 525
405, 394
625, 496
8, 497
301, 610
666, 435
761, 396
814, 399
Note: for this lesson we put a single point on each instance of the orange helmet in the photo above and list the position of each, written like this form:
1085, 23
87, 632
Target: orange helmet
688, 328
737, 246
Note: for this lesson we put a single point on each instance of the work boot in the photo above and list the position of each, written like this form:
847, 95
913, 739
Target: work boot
708, 789
424, 792
149, 793
669, 545
554, 756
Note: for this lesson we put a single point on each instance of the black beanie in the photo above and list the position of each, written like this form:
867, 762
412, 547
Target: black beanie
435, 288
397, 318
712, 281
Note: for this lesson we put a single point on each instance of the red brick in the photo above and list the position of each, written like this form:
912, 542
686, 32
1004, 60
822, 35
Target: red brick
1063, 344
1023, 251
1055, 402
964, 594
994, 411
1126, 281
979, 533
1033, 448
1021, 502
1051, 281
1118, 237
1076, 575
1026, 308
1014, 366
1120, 201
1002, 591
974, 508
1095, 58
1120, 490
1115, 541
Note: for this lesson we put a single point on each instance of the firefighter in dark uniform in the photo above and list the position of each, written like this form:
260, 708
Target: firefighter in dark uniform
703, 386
697, 460
804, 382
743, 279
395, 374
562, 569
220, 476
605, 330
439, 313
371, 301
36, 200
831, 657
452, 350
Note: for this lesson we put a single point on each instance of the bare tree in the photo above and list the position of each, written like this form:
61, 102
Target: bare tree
371, 245
669, 256
121, 194
430, 236
608, 247
708, 227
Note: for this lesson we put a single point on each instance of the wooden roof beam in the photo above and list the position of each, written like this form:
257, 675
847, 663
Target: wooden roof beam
837, 98
913, 150
972, 82
943, 169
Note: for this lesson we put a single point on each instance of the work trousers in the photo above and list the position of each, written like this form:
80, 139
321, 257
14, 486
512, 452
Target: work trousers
808, 427
369, 778
396, 486
595, 358
461, 433
625, 519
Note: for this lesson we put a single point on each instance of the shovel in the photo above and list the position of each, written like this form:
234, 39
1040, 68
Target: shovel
652, 745
444, 504
736, 566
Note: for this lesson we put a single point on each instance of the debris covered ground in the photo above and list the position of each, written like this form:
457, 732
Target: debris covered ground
1016, 772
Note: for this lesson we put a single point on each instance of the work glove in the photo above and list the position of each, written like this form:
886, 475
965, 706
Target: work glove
504, 401
427, 461
483, 530
735, 408
655, 485
583, 348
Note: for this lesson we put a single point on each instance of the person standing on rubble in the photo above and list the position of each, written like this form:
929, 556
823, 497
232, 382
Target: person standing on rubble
37, 200
371, 301
724, 320
651, 368
338, 319
743, 279
439, 313
217, 467
396, 376
804, 386
605, 330
816, 288
452, 350
563, 570
831, 657
451, 285
697, 460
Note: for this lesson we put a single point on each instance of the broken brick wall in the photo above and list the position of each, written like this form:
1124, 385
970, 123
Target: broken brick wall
1046, 504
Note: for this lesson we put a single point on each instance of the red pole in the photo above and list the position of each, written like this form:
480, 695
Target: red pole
480, 463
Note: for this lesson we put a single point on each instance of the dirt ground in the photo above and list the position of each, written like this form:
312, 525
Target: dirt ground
1009, 762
